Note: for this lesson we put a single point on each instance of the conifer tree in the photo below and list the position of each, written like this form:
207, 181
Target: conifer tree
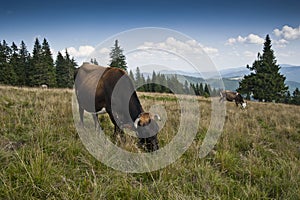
23, 65
61, 71
36, 68
65, 67
7, 73
48, 69
117, 57
206, 90
70, 62
201, 89
14, 63
94, 61
265, 81
131, 76
296, 97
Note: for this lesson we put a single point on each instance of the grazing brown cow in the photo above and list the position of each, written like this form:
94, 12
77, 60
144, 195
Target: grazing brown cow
105, 89
232, 96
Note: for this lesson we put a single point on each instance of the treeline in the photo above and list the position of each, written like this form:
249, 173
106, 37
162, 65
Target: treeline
294, 98
169, 84
20, 68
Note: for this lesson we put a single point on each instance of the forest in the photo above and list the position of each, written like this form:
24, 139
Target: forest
19, 67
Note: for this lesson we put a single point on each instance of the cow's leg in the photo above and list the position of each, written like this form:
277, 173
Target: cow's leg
117, 130
81, 110
221, 99
96, 121
222, 96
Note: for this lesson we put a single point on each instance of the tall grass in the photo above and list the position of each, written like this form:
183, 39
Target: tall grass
42, 157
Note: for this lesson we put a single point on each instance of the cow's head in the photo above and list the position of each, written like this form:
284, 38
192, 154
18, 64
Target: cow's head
147, 130
244, 104
240, 100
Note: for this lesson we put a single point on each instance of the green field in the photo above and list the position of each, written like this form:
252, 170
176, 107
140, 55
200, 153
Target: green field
42, 156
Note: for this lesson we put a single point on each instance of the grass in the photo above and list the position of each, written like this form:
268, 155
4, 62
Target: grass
42, 157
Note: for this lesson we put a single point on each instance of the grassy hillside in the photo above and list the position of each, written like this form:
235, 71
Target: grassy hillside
42, 157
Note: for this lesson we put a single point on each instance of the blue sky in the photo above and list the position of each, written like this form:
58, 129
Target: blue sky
230, 32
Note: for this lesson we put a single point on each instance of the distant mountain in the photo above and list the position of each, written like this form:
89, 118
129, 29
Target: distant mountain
292, 73
234, 72
180, 72
292, 86
232, 76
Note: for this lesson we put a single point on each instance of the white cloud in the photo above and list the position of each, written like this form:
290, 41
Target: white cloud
82, 51
210, 50
104, 51
288, 33
250, 39
249, 54
281, 42
174, 45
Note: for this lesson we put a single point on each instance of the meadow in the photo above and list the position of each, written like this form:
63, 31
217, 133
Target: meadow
42, 157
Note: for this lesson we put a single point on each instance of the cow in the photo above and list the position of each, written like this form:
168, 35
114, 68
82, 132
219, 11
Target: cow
233, 96
44, 86
110, 90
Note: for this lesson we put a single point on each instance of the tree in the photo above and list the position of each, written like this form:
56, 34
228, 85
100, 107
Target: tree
117, 57
23, 65
64, 70
48, 69
35, 69
71, 66
94, 61
14, 63
131, 75
61, 71
207, 90
41, 70
7, 73
265, 81
296, 97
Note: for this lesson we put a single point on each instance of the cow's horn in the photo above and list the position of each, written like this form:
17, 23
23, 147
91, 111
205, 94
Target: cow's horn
136, 122
157, 117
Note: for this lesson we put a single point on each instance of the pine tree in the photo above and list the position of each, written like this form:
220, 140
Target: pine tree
131, 76
117, 57
207, 90
65, 67
71, 63
48, 69
201, 89
23, 65
61, 71
140, 80
94, 61
35, 70
296, 97
7, 73
186, 87
14, 63
265, 82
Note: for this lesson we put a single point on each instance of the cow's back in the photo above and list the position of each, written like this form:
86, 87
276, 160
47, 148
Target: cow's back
121, 94
87, 83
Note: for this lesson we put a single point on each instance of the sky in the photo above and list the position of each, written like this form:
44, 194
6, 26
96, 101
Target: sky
231, 33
